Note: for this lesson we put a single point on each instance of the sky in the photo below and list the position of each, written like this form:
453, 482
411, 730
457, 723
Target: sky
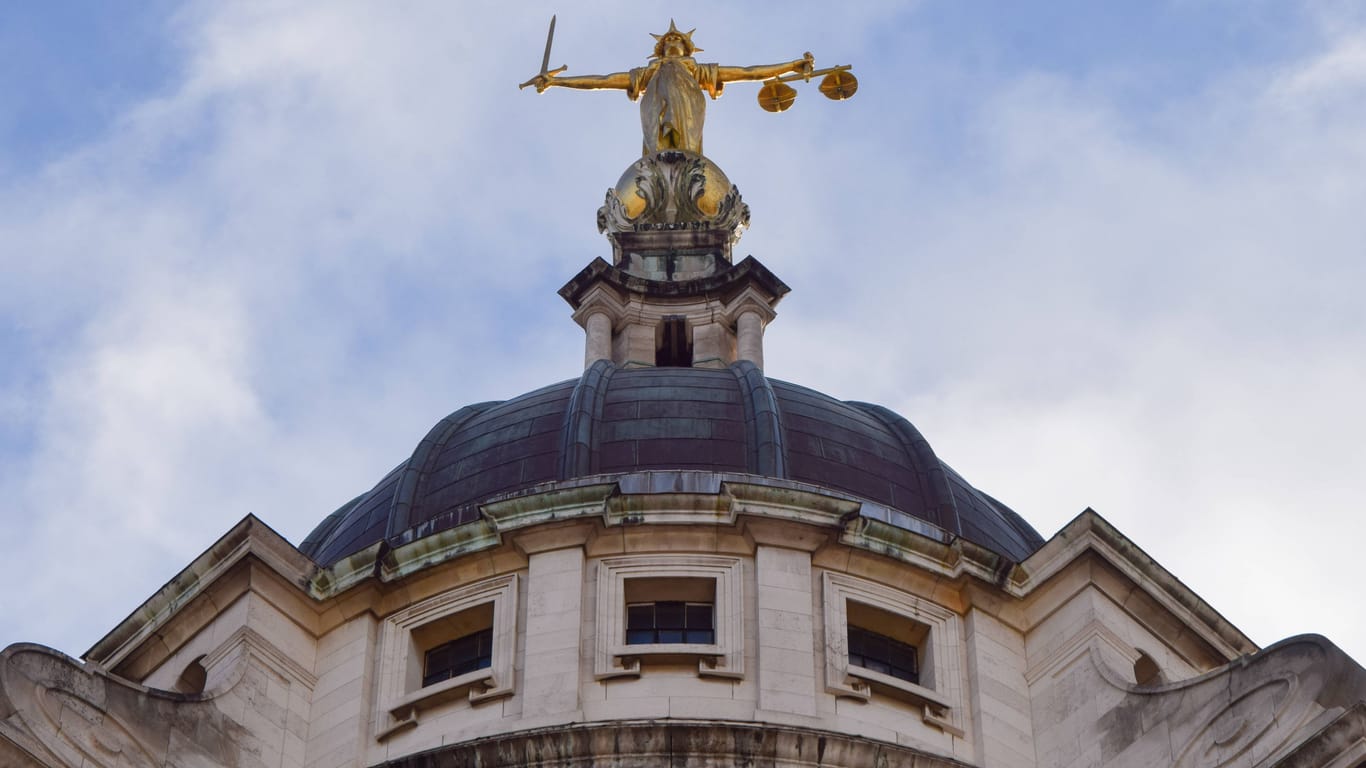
1103, 255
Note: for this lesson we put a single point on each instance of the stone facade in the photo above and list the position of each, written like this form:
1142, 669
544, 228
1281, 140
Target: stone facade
797, 531
256, 656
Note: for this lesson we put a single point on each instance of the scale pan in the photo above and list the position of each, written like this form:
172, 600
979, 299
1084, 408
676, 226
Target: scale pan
776, 96
839, 85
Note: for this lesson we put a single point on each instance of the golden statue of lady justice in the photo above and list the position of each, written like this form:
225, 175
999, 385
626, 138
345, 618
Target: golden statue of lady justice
670, 86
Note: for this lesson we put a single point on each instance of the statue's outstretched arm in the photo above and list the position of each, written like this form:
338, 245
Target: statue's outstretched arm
803, 65
620, 81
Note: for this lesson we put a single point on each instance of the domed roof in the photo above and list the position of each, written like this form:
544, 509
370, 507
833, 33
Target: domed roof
614, 421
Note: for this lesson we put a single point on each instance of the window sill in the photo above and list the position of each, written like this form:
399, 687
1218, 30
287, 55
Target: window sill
942, 704
710, 658
918, 693
663, 649
725, 658
936, 708
479, 683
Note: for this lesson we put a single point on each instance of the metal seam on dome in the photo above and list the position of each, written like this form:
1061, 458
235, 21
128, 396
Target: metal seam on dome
929, 469
319, 535
599, 406
416, 468
578, 451
1009, 516
767, 454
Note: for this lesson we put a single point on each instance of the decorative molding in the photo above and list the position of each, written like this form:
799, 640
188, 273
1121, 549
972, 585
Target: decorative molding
613, 658
1279, 707
1339, 744
1091, 532
1264, 714
942, 696
674, 189
749, 299
253, 644
248, 538
677, 743
401, 696
669, 509
792, 501
68, 715
399, 562
604, 298
348, 572
1086, 640
556, 504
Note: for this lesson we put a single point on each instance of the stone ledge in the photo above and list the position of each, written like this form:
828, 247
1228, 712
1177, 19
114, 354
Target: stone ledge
674, 743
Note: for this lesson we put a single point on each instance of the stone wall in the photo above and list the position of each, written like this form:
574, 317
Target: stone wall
280, 663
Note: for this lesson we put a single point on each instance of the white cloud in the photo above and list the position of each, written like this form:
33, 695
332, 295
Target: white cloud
1165, 327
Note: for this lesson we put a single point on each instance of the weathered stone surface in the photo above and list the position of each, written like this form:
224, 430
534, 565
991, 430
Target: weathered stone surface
1244, 715
65, 714
1340, 744
656, 744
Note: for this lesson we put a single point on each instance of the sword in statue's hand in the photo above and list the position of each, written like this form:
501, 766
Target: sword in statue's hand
542, 80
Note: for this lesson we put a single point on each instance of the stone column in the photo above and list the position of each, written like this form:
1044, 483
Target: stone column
787, 680
713, 346
749, 330
635, 345
598, 330
553, 623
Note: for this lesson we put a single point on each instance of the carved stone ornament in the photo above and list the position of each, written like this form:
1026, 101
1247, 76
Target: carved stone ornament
1243, 715
57, 712
674, 190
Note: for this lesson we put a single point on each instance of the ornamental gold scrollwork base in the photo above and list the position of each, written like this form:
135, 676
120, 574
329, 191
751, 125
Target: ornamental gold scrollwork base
674, 189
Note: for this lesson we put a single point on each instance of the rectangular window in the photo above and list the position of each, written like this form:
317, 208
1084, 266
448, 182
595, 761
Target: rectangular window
880, 653
455, 645
670, 621
882, 641
667, 610
458, 657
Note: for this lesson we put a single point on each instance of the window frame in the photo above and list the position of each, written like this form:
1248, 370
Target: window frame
400, 653
482, 640
893, 645
723, 658
940, 690
686, 627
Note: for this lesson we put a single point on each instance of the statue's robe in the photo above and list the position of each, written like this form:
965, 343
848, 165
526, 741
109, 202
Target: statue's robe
672, 107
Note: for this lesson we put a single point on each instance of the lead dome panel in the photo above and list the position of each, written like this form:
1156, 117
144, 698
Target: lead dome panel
616, 421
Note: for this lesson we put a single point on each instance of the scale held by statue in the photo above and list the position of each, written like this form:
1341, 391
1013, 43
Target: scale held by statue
673, 213
671, 85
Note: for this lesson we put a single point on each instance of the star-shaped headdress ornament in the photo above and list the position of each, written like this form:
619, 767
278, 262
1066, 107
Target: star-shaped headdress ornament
674, 30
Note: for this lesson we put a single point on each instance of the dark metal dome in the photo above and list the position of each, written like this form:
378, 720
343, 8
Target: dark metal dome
621, 420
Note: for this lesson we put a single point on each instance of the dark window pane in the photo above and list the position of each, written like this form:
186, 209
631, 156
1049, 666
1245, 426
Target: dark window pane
640, 616
875, 646
669, 615
670, 621
883, 654
439, 658
856, 643
699, 616
458, 657
700, 637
